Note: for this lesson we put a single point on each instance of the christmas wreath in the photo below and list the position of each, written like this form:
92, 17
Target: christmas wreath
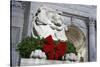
54, 50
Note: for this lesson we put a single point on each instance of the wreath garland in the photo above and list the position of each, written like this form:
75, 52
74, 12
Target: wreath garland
54, 50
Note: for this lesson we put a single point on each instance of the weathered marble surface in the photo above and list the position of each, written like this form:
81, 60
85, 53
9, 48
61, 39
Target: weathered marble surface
33, 62
48, 22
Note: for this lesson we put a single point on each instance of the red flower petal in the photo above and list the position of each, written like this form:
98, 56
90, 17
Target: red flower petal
49, 40
48, 48
61, 48
51, 55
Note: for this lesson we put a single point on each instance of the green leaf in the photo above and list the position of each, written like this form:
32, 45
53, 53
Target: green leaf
29, 44
71, 48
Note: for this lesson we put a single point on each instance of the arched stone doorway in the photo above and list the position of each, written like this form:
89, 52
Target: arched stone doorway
77, 37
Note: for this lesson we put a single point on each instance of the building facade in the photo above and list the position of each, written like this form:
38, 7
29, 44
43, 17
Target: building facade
83, 17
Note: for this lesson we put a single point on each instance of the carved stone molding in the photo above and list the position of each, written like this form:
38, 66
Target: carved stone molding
92, 39
19, 4
92, 21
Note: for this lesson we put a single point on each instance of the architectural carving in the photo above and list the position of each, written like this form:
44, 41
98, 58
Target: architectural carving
49, 22
18, 4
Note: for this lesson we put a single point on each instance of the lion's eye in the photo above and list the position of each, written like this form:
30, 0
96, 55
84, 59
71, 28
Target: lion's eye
39, 11
36, 14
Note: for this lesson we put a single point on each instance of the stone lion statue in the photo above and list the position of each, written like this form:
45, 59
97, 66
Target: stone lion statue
49, 22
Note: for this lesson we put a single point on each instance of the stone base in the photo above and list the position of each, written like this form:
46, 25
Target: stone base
32, 62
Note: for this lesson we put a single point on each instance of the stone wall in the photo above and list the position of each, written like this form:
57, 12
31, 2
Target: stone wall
19, 21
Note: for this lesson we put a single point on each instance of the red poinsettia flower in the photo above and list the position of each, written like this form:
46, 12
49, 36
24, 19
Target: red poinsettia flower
51, 55
61, 49
49, 40
54, 52
49, 46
